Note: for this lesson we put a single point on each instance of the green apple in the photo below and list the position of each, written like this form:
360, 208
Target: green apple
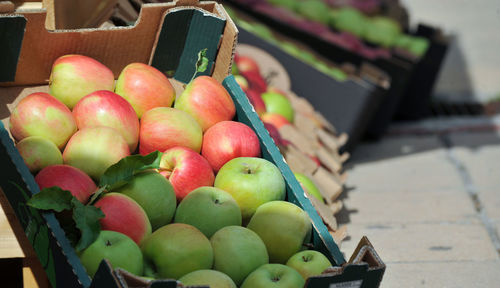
309, 263
252, 182
274, 276
308, 185
211, 278
283, 226
39, 152
176, 249
154, 194
277, 103
120, 250
315, 10
237, 252
350, 20
382, 31
208, 209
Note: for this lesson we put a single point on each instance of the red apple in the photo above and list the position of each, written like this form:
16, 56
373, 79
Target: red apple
276, 119
255, 81
275, 134
186, 170
40, 114
207, 101
105, 108
144, 87
256, 101
94, 149
122, 214
246, 64
67, 178
227, 140
162, 128
74, 76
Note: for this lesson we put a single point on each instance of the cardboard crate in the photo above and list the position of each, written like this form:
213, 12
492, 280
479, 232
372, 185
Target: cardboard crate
348, 105
195, 25
410, 77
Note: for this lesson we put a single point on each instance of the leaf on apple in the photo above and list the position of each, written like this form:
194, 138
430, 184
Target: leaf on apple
51, 198
87, 221
96, 195
202, 63
122, 172
84, 227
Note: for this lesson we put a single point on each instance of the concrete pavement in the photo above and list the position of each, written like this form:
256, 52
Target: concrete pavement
429, 202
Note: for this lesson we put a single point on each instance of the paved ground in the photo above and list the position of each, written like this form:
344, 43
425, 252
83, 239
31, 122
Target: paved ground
428, 197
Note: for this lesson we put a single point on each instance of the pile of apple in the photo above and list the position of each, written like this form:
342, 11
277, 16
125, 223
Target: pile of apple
208, 210
344, 25
282, 114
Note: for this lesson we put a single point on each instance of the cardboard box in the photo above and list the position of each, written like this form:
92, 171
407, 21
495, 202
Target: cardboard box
348, 105
193, 25
409, 76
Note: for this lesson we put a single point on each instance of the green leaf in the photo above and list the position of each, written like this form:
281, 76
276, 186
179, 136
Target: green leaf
51, 198
122, 172
202, 63
87, 221
96, 195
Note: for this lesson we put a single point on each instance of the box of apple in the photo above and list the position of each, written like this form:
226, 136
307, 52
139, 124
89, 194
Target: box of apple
163, 180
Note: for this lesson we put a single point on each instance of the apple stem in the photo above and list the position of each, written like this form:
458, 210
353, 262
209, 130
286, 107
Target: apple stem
217, 201
308, 245
108, 243
276, 279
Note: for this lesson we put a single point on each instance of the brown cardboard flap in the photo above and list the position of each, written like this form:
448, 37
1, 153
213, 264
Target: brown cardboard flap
328, 187
324, 212
329, 160
298, 161
115, 48
6, 6
290, 133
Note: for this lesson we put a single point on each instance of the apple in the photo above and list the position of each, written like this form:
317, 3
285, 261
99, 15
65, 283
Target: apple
154, 194
40, 114
276, 119
210, 278
227, 140
242, 82
121, 252
256, 101
122, 214
175, 250
255, 81
105, 108
382, 31
275, 135
144, 87
74, 76
246, 64
308, 185
207, 101
274, 275
283, 226
350, 20
94, 149
186, 170
237, 252
252, 182
39, 152
309, 263
315, 10
162, 128
208, 209
277, 103
67, 178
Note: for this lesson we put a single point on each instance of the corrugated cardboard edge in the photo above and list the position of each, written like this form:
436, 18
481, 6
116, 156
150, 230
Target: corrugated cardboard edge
34, 66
